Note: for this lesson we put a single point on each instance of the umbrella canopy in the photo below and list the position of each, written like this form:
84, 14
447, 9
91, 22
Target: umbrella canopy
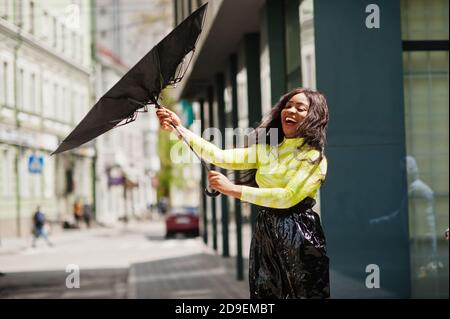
141, 85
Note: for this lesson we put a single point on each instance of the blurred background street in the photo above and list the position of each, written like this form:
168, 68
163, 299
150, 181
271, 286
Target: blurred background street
131, 261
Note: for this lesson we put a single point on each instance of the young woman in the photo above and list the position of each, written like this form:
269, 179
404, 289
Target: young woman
287, 254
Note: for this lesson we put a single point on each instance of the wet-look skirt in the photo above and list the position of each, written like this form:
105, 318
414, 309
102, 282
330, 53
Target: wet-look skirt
288, 254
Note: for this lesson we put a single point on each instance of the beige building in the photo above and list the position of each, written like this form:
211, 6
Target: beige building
45, 67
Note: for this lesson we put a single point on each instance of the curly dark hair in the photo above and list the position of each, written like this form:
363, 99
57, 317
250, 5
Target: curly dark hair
312, 129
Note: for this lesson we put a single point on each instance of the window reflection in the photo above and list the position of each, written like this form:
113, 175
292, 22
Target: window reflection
427, 146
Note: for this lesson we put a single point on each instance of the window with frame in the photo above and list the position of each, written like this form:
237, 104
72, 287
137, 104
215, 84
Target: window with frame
32, 99
2, 85
20, 88
426, 95
32, 17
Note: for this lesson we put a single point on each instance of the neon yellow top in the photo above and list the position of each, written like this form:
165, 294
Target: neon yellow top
285, 175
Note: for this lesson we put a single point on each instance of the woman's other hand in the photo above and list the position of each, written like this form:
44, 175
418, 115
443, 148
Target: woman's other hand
221, 183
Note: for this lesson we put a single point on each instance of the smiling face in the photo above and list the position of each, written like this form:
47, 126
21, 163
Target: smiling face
293, 114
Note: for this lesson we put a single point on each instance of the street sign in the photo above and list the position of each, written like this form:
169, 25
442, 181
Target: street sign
35, 164
115, 176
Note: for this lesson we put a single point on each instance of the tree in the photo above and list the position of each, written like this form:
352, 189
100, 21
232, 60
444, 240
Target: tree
169, 173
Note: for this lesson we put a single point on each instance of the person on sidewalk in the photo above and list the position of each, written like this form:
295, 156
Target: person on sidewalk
78, 212
288, 250
87, 215
39, 223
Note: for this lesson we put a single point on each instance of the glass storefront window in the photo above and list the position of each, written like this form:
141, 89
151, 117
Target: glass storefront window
424, 19
427, 147
427, 144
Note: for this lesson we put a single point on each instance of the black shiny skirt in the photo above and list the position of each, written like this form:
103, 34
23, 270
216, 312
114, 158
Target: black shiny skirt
288, 254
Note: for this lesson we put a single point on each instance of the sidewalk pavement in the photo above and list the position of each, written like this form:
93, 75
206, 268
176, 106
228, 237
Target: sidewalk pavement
200, 276
135, 261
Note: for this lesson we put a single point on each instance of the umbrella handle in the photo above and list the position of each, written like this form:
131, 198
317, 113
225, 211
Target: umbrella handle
212, 193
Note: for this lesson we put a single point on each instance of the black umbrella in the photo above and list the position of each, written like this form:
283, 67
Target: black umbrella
142, 85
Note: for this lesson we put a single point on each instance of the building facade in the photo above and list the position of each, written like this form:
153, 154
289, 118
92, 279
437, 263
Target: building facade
45, 66
383, 67
127, 160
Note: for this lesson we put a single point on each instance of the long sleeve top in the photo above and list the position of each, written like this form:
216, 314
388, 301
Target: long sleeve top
285, 174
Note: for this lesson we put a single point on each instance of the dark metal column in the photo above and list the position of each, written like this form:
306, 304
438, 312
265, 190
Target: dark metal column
220, 87
213, 199
203, 182
274, 24
237, 203
364, 201
252, 58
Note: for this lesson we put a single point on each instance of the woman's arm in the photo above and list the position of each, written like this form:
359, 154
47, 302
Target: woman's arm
306, 181
236, 159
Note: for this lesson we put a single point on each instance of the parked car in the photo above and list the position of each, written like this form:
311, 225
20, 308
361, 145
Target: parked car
182, 220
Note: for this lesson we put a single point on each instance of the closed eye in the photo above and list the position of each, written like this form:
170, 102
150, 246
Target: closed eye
299, 107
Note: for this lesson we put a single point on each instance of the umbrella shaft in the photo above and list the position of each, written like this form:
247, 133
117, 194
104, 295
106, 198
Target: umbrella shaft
190, 146
186, 142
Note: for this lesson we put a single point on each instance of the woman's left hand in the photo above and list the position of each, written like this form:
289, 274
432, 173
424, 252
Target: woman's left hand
221, 183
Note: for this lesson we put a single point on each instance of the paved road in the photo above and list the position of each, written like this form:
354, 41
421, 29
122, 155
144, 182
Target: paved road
134, 262
203, 276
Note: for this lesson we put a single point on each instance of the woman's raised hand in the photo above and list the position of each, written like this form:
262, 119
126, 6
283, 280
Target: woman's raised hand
167, 118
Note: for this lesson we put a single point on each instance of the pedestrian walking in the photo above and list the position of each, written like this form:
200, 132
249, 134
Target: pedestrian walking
39, 230
87, 215
77, 212
288, 250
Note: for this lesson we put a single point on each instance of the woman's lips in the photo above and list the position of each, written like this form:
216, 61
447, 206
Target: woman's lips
290, 121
